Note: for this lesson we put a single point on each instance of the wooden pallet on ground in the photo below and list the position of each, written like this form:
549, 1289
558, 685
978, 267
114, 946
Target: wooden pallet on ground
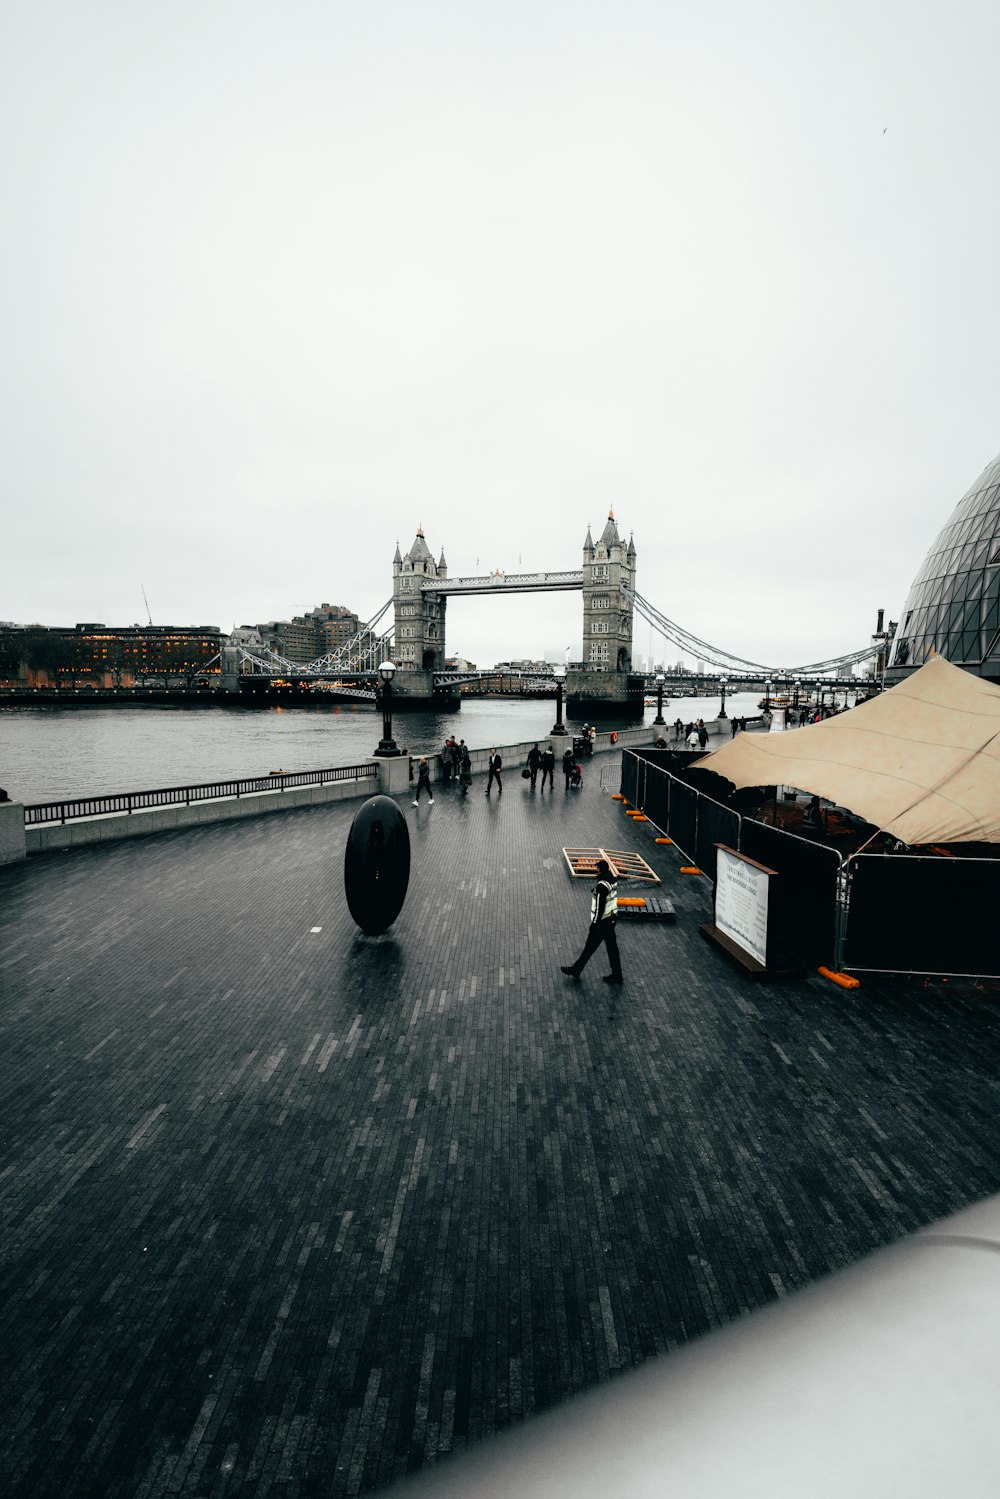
583, 864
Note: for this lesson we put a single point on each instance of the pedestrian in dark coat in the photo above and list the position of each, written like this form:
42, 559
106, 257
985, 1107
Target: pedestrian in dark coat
534, 761
423, 781
496, 765
465, 774
603, 915
548, 765
567, 766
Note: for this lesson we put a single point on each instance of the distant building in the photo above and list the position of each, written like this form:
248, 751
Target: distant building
953, 606
319, 633
248, 636
107, 655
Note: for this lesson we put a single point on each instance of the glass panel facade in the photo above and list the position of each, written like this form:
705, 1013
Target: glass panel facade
952, 607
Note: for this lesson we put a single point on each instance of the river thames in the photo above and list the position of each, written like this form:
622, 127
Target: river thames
47, 754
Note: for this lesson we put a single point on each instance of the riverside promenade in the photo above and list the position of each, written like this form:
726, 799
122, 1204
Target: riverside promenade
288, 1211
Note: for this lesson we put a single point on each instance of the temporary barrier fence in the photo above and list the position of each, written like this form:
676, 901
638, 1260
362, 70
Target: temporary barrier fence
805, 914
897, 913
913, 914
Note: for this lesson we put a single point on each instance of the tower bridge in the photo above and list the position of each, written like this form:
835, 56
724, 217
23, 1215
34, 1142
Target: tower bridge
421, 587
602, 679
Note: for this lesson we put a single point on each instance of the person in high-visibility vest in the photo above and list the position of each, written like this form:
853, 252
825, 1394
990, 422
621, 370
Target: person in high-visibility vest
603, 915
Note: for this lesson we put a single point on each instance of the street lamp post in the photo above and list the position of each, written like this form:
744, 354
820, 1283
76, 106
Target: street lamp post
560, 675
795, 698
767, 695
660, 679
387, 745
722, 709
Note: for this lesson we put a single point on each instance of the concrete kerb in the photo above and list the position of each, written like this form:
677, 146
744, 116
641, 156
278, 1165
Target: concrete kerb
393, 780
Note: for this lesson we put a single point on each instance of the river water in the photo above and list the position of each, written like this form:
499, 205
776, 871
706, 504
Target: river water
47, 754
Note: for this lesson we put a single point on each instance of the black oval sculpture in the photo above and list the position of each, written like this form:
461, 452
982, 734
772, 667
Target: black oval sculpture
377, 865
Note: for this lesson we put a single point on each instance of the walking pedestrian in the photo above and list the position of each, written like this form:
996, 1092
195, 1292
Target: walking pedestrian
465, 774
702, 734
603, 916
678, 729
591, 736
548, 765
693, 739
447, 763
567, 766
423, 781
534, 760
496, 765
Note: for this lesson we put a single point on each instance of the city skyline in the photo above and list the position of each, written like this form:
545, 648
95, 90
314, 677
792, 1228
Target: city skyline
279, 288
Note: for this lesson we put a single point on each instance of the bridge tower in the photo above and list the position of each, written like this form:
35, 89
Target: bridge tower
419, 615
608, 582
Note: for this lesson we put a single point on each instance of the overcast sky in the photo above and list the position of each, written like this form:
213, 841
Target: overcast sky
278, 282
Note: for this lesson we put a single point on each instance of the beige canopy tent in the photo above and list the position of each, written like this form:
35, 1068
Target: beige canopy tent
921, 762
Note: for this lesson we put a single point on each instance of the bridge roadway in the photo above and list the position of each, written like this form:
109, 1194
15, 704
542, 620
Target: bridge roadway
288, 1211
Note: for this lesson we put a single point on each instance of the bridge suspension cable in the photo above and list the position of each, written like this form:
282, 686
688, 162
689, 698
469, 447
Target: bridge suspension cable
716, 656
362, 653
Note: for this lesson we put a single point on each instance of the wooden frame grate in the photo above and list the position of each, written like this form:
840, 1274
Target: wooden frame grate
583, 864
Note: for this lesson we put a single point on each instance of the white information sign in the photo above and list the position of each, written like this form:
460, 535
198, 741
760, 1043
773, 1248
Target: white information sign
741, 902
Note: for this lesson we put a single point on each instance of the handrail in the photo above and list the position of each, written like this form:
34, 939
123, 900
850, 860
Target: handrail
172, 796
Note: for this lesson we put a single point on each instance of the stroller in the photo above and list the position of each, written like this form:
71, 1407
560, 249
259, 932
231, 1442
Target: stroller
576, 775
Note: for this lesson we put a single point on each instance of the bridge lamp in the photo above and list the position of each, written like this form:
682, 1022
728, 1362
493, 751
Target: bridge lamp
660, 679
795, 698
723, 684
387, 745
560, 675
767, 694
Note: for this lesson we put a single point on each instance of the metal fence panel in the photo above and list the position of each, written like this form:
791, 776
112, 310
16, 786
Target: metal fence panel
716, 824
682, 824
630, 769
910, 914
802, 902
656, 803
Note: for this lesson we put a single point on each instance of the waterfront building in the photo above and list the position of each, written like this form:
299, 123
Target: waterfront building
107, 655
953, 606
305, 637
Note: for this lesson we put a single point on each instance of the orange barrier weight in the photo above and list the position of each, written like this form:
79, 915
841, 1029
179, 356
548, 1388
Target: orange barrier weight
631, 900
664, 840
690, 869
845, 980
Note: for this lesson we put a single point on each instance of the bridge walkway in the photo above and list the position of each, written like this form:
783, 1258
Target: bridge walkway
288, 1211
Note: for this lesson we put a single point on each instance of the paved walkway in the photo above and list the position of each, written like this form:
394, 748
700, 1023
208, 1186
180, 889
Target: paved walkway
289, 1211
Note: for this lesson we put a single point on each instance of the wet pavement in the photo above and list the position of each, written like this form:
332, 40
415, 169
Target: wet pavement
285, 1210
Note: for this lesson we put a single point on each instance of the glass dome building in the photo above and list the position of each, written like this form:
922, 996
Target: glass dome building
953, 607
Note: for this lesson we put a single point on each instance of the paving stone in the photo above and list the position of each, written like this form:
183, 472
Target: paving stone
287, 1211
